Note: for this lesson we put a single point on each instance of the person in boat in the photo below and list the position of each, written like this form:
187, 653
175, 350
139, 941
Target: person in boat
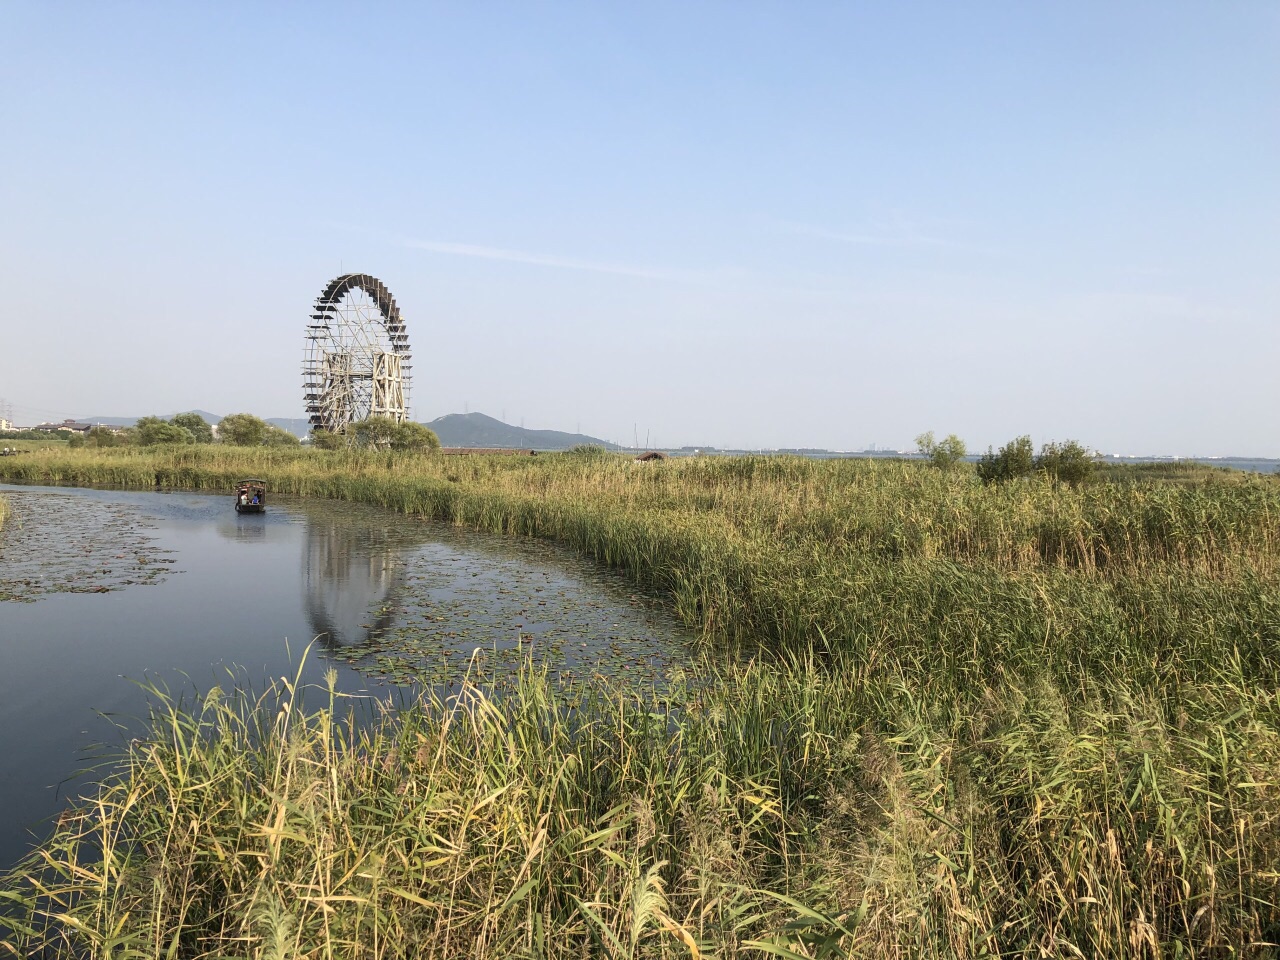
255, 498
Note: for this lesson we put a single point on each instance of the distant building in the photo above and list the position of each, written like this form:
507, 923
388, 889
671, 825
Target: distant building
67, 426
6, 426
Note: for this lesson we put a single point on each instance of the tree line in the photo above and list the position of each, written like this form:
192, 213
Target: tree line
1067, 462
246, 430
238, 429
382, 433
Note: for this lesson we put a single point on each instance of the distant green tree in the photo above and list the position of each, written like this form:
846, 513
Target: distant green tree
242, 430
1015, 459
150, 431
325, 440
201, 432
274, 436
943, 454
385, 433
1067, 462
373, 433
59, 435
106, 437
163, 434
75, 441
414, 436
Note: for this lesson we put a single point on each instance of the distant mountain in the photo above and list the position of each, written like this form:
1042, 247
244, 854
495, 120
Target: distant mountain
478, 430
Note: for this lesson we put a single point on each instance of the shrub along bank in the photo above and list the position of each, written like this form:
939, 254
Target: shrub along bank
1023, 719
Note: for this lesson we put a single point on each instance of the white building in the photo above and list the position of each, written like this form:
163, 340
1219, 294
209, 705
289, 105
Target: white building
6, 425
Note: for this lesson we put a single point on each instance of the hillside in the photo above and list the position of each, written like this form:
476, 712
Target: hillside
478, 430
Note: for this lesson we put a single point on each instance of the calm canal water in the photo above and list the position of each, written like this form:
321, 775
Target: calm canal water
99, 587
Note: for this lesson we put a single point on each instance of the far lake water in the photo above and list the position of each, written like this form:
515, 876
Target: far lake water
97, 586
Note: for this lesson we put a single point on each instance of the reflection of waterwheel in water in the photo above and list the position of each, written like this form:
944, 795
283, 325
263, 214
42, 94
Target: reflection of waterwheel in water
358, 362
350, 574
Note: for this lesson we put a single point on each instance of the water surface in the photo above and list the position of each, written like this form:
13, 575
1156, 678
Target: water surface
97, 586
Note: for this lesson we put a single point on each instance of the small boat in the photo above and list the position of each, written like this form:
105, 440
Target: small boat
251, 496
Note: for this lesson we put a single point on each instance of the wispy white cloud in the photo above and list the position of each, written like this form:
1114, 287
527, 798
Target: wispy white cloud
544, 260
902, 235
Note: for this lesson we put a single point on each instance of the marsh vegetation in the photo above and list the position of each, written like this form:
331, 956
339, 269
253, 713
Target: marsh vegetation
932, 717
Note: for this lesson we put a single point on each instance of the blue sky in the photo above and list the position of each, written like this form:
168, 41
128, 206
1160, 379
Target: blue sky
735, 224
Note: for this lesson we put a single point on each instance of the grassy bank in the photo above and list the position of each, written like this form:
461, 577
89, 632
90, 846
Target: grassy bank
1025, 720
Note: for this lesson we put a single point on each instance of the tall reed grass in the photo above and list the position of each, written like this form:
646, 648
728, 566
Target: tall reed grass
1024, 721
811, 807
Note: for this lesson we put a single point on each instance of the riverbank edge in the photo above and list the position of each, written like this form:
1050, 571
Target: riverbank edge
742, 581
581, 527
